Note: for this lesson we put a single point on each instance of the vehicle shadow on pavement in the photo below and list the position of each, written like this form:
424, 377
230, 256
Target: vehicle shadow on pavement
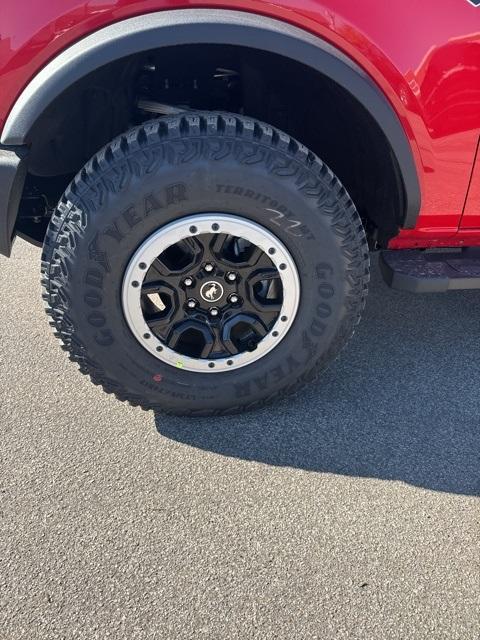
401, 402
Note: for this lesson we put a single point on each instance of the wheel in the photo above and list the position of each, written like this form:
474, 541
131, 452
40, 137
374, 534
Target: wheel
204, 264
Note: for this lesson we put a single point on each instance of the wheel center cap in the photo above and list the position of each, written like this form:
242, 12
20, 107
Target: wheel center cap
211, 291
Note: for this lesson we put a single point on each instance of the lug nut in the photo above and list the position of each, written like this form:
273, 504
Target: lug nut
188, 282
214, 311
208, 267
231, 276
192, 303
233, 298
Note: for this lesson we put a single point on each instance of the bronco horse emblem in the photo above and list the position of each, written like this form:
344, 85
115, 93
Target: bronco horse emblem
211, 291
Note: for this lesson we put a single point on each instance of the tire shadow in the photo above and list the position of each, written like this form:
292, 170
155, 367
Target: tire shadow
401, 402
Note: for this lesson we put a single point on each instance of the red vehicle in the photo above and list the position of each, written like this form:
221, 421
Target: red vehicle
208, 179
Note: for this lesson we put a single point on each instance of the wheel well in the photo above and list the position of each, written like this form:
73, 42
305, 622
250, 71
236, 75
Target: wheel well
303, 102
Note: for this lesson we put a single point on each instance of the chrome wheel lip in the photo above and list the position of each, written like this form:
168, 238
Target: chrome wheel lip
194, 225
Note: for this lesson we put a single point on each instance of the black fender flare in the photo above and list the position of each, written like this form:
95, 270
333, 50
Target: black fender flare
197, 26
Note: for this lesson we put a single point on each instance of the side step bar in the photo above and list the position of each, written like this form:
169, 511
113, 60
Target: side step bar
431, 271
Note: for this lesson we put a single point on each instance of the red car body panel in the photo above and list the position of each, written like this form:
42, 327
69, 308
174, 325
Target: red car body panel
424, 56
471, 214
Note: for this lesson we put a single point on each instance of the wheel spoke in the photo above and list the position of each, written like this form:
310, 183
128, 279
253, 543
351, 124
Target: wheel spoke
194, 246
217, 245
219, 348
161, 322
158, 322
158, 270
258, 258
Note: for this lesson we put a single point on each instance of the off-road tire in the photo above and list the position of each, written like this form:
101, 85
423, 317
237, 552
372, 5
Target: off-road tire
223, 163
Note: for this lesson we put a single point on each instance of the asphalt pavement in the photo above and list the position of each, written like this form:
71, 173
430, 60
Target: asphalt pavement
349, 512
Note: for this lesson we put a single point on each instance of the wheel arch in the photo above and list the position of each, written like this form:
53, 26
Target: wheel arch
205, 26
